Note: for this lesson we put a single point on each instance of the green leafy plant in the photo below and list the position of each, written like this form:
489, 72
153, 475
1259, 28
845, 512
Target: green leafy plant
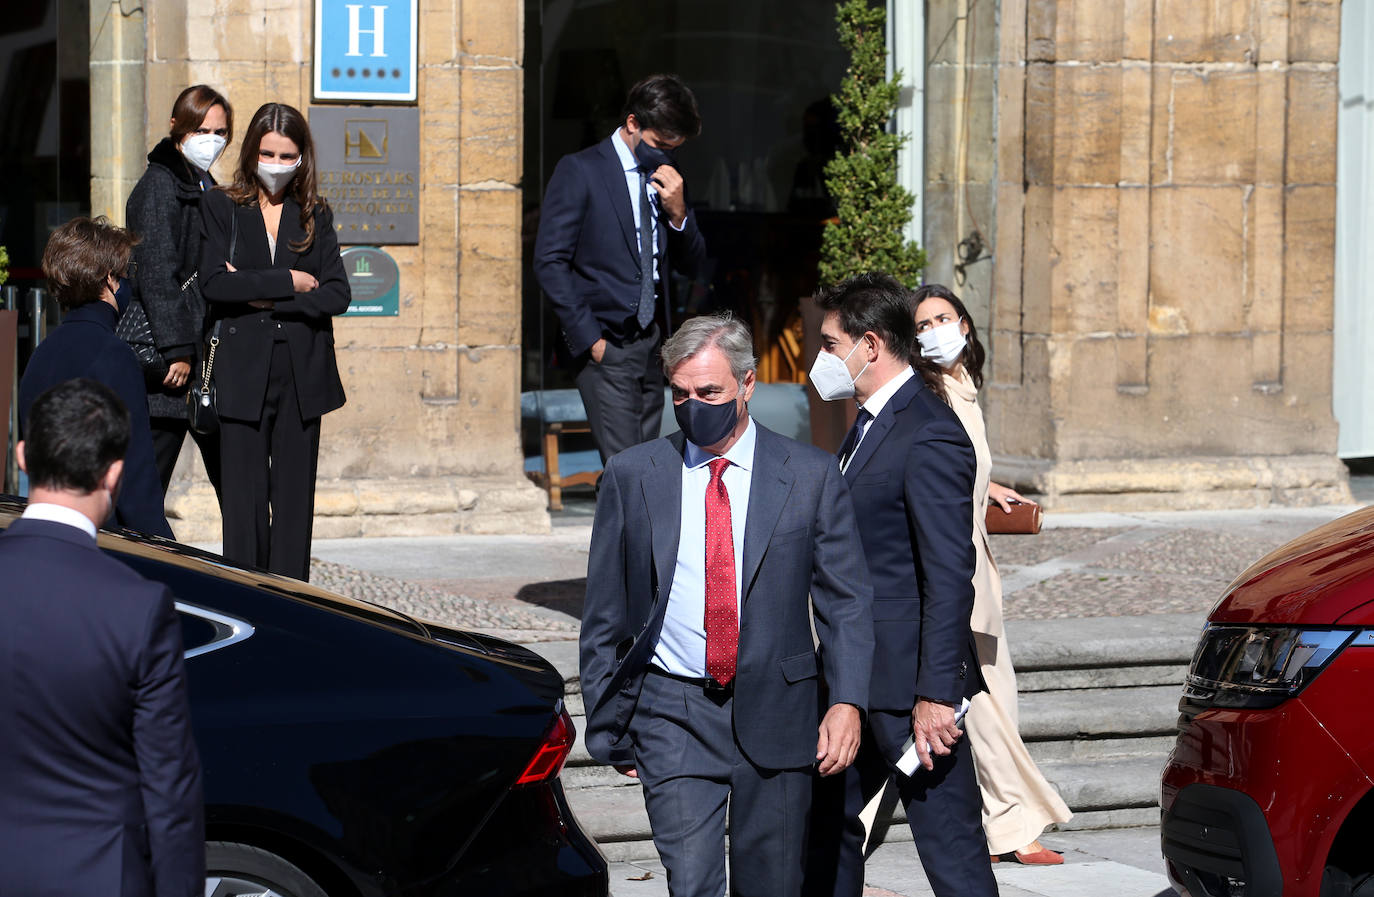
872, 208
4, 265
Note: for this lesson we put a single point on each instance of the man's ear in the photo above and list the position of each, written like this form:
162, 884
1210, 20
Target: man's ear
19, 456
110, 481
874, 345
747, 387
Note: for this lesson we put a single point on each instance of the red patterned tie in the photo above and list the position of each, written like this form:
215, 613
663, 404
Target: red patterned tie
722, 614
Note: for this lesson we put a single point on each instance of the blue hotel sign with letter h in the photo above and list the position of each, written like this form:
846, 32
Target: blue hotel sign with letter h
365, 50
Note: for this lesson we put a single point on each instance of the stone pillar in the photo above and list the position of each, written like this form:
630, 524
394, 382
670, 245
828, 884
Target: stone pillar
429, 439
118, 155
1161, 309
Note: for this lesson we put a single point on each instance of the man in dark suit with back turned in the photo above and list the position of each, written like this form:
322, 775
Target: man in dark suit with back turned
99, 777
699, 672
606, 273
910, 467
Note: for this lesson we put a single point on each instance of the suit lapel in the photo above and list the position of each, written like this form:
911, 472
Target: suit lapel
289, 231
662, 490
881, 426
769, 487
613, 180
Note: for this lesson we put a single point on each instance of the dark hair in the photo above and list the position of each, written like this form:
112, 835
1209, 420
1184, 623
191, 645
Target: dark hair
664, 104
279, 118
81, 254
973, 355
873, 302
74, 432
191, 107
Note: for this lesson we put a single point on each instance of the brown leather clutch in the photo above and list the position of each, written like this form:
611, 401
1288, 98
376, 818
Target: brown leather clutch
1024, 519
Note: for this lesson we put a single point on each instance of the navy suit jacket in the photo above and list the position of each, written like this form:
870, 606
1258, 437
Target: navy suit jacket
100, 787
85, 345
586, 256
799, 539
912, 482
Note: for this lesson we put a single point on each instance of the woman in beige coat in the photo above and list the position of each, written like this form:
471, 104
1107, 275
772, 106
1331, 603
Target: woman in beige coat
1018, 804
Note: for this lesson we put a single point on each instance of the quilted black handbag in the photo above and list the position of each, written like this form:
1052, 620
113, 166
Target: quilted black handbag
133, 327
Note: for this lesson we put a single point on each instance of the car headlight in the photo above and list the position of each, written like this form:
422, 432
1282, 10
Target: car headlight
1258, 666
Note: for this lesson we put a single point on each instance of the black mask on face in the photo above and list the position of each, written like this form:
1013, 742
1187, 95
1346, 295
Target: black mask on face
706, 424
124, 294
651, 157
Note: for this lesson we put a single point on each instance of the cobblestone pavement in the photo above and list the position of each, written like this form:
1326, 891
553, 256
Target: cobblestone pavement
530, 588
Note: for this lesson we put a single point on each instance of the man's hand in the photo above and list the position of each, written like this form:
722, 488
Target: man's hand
626, 770
839, 739
670, 194
598, 350
1003, 496
933, 729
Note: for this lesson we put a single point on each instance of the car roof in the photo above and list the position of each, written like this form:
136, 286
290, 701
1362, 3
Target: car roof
166, 551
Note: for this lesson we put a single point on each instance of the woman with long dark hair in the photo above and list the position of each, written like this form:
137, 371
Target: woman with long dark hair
271, 270
164, 211
1018, 803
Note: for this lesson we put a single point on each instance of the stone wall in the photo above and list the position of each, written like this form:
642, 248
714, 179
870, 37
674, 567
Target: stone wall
1161, 289
428, 441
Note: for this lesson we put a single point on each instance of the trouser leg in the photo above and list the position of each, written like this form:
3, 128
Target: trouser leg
245, 446
835, 857
295, 447
613, 394
168, 435
208, 443
685, 755
651, 392
768, 817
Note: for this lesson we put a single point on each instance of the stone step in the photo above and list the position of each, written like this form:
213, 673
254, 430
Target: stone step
1113, 793
1103, 720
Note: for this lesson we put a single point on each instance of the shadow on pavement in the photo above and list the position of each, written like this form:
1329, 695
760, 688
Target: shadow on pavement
562, 595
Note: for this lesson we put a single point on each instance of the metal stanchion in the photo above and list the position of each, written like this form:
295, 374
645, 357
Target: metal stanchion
38, 318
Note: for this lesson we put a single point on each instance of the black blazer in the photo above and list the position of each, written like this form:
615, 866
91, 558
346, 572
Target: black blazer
304, 319
912, 482
586, 256
85, 345
799, 539
101, 785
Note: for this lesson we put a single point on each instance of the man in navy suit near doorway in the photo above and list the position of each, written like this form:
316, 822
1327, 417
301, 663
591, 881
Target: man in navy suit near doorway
100, 785
699, 672
614, 224
910, 467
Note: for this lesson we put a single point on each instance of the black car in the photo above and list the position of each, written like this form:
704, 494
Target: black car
352, 751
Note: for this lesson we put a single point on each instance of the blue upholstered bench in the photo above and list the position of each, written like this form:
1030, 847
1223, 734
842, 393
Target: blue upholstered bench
781, 407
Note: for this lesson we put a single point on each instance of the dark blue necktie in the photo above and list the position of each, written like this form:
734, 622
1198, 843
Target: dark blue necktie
851, 441
645, 312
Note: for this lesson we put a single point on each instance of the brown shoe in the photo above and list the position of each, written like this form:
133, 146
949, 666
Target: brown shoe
1034, 854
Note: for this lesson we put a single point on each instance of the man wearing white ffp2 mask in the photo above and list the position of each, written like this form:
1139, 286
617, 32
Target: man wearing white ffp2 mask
830, 373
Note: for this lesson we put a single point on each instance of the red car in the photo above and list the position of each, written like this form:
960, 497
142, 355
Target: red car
1268, 789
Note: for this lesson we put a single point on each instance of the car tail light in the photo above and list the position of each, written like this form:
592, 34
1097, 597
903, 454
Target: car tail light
547, 762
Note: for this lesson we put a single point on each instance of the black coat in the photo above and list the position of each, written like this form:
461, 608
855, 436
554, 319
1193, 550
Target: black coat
304, 319
164, 211
85, 345
101, 792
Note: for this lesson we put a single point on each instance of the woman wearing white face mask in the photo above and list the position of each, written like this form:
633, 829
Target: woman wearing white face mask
271, 270
165, 323
1018, 804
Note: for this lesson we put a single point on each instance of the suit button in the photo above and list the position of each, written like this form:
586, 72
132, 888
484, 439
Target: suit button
233, 330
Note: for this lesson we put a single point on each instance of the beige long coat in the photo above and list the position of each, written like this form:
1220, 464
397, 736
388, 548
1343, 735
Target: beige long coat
1018, 803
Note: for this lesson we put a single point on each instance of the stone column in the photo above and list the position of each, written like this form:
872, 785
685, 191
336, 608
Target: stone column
428, 442
118, 155
1161, 309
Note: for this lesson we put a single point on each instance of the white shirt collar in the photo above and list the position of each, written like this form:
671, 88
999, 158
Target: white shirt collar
884, 393
627, 158
741, 454
60, 514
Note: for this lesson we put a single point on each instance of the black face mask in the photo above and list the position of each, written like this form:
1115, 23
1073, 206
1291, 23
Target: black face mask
706, 424
651, 157
124, 294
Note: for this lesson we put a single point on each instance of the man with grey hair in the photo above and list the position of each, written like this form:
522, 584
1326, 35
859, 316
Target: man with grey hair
699, 672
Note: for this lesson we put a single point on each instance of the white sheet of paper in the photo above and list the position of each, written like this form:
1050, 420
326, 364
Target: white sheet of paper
909, 762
